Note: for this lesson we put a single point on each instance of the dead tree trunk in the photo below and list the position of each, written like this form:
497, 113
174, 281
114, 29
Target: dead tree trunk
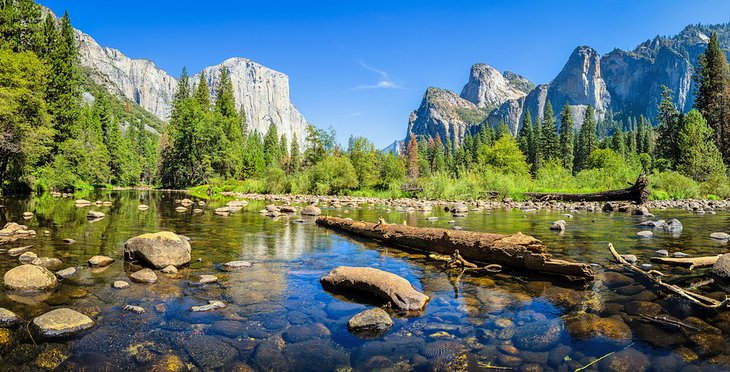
638, 192
518, 251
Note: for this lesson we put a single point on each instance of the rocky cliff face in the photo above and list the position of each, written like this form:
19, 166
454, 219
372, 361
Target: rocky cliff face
263, 93
136, 79
634, 81
627, 83
444, 113
487, 88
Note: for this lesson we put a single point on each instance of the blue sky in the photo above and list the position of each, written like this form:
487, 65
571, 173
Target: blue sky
362, 67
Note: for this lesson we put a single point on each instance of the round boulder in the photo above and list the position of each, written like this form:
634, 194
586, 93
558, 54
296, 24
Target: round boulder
370, 323
62, 322
144, 276
311, 210
158, 249
30, 278
538, 336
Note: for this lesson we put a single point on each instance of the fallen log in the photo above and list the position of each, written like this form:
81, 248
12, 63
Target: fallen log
688, 262
693, 297
517, 251
638, 193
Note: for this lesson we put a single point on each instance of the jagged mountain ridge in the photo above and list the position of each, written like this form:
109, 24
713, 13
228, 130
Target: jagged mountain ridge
263, 92
623, 82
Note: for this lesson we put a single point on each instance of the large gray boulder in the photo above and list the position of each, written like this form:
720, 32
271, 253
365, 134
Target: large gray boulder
158, 250
29, 278
382, 284
62, 322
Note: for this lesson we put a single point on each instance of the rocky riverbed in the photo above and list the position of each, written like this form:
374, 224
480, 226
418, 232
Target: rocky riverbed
239, 287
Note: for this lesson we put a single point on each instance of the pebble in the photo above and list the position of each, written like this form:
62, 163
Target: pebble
645, 234
212, 305
169, 270
66, 273
207, 279
720, 236
17, 251
27, 257
630, 258
7, 318
100, 261
134, 309
680, 254
235, 265
662, 252
120, 284
144, 276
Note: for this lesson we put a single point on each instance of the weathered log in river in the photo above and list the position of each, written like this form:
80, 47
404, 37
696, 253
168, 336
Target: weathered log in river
638, 193
517, 251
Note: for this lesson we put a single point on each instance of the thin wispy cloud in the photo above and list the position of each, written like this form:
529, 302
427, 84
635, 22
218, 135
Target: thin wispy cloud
384, 81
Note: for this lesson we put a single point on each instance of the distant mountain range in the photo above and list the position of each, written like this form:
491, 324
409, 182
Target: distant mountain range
627, 83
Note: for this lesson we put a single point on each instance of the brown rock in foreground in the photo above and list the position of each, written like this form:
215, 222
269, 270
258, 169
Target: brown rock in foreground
382, 284
517, 251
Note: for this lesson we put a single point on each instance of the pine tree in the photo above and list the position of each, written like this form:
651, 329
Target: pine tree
62, 91
183, 86
439, 162
296, 159
202, 92
618, 143
670, 124
412, 155
536, 147
700, 158
525, 135
712, 97
588, 141
566, 137
641, 135
227, 115
20, 22
272, 155
550, 141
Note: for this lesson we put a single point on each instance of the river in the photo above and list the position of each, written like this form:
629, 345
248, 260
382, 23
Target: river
278, 316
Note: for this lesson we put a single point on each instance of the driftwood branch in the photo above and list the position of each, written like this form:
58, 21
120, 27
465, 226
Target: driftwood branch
638, 192
693, 297
517, 251
688, 262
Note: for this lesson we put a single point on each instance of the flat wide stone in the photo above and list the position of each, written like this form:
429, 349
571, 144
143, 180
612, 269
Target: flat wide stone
30, 278
62, 322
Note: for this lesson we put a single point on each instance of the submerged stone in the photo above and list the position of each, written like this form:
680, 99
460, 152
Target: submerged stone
538, 336
144, 276
370, 323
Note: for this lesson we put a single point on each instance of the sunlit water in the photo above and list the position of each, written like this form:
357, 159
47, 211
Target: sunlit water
278, 317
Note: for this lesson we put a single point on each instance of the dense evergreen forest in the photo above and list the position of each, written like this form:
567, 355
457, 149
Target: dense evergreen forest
61, 131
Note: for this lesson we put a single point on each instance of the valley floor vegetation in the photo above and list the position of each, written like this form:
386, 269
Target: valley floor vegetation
60, 131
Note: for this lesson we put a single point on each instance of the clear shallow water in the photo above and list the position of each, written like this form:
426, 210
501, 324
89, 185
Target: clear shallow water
279, 318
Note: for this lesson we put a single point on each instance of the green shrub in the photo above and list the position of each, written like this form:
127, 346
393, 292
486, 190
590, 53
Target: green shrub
674, 184
275, 181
